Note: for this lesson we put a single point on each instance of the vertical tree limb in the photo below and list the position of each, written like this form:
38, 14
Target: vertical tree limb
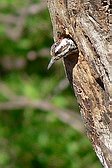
89, 24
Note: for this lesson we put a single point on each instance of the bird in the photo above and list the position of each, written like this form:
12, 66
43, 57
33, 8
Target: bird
60, 49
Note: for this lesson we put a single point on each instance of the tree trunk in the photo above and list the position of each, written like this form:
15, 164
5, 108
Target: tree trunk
89, 24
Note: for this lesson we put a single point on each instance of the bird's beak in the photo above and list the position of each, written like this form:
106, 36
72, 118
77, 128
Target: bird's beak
52, 61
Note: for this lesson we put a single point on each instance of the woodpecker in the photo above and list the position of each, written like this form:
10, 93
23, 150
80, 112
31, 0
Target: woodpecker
60, 49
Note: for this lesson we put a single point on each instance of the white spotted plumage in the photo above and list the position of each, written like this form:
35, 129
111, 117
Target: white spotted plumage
62, 48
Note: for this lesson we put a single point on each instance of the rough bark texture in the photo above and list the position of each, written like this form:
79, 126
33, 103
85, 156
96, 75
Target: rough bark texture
89, 24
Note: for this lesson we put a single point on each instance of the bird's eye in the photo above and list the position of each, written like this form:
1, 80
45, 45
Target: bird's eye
57, 52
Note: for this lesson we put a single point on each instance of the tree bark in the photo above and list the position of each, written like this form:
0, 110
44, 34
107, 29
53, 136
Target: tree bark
89, 24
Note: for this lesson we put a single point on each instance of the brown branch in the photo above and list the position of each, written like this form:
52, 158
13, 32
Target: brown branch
36, 8
13, 62
33, 9
67, 116
15, 24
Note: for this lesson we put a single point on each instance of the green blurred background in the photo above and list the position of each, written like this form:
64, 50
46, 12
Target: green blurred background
40, 126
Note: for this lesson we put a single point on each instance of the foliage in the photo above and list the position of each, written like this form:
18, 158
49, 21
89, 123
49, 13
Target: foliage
35, 138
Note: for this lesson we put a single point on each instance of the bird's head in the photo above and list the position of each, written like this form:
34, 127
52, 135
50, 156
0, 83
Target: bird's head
60, 49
